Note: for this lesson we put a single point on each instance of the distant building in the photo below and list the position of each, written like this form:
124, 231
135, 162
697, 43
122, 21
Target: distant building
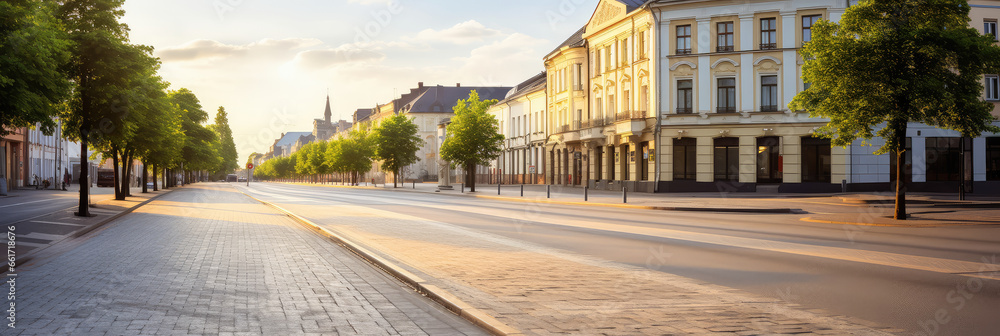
324, 129
12, 157
283, 146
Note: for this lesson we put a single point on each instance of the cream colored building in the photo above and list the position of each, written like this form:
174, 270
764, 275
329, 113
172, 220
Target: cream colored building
522, 119
601, 99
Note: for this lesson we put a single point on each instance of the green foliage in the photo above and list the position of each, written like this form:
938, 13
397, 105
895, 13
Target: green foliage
33, 50
889, 62
352, 154
227, 147
200, 151
396, 142
473, 136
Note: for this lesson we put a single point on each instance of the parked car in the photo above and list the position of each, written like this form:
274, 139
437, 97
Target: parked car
105, 177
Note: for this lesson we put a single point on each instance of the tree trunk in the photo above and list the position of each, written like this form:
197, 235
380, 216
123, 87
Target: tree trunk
395, 178
900, 133
84, 210
144, 177
127, 164
115, 159
155, 187
470, 176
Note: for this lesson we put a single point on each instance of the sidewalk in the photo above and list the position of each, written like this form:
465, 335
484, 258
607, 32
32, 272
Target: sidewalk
206, 260
869, 209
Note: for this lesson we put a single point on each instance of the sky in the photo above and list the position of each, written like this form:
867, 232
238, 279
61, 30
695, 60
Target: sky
271, 63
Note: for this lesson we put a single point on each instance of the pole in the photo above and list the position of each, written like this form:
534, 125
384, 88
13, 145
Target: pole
624, 194
522, 190
548, 191
498, 189
586, 195
961, 156
463, 187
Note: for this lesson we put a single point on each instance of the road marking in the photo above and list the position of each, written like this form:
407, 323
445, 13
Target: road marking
15, 204
42, 236
58, 223
985, 270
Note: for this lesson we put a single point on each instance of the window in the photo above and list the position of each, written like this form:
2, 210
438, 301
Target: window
993, 159
943, 159
626, 101
684, 40
768, 33
642, 45
578, 77
816, 160
684, 96
598, 107
726, 95
769, 93
807, 22
725, 36
727, 159
607, 58
990, 28
992, 87
685, 156
597, 63
624, 51
611, 106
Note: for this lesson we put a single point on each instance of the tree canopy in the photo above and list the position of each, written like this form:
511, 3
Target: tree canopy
891, 62
473, 136
396, 143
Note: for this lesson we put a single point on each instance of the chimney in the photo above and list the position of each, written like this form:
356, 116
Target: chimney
458, 84
420, 85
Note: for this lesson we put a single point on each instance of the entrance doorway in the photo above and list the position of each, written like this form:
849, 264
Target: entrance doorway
769, 169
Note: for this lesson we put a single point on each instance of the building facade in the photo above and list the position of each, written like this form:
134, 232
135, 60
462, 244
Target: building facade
616, 139
522, 117
13, 153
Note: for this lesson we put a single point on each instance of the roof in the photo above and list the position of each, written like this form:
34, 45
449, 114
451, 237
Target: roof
437, 99
290, 138
631, 5
535, 83
575, 40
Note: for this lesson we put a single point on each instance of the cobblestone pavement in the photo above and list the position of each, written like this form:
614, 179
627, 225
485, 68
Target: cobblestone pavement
544, 291
206, 260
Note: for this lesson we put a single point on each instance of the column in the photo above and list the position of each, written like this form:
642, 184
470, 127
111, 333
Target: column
791, 149
919, 157
706, 159
979, 159
748, 159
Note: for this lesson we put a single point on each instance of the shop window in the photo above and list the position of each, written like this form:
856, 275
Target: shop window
727, 159
993, 159
816, 160
943, 159
685, 159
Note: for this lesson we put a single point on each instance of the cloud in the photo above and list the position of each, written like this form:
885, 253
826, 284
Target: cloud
505, 61
348, 53
198, 50
370, 2
463, 33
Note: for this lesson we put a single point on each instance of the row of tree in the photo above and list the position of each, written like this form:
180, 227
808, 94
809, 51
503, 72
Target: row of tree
72, 60
473, 138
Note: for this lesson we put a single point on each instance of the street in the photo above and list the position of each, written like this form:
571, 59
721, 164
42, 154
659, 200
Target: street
206, 260
918, 280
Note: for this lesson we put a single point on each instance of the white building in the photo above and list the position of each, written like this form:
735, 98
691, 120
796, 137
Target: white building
49, 156
523, 121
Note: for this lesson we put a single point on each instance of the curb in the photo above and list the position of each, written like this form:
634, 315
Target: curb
823, 221
31, 255
441, 296
609, 205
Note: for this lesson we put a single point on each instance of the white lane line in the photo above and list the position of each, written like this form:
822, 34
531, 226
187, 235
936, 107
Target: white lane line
58, 223
986, 269
22, 203
42, 236
18, 242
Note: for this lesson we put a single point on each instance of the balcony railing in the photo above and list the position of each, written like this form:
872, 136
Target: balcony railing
768, 46
725, 109
723, 48
685, 110
683, 51
596, 122
769, 108
630, 115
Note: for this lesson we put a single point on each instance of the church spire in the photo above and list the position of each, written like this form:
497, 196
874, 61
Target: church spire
328, 113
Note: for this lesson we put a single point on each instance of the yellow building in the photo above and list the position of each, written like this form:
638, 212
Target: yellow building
614, 142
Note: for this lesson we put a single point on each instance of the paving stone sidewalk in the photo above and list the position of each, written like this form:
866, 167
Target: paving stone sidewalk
543, 291
207, 260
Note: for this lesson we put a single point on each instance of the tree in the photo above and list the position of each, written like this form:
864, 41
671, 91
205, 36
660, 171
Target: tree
396, 144
351, 155
100, 66
199, 152
891, 62
35, 48
227, 147
473, 136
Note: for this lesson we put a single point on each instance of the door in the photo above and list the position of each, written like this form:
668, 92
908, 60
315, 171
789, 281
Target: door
769, 169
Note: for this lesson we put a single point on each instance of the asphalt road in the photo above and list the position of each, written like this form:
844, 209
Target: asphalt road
905, 278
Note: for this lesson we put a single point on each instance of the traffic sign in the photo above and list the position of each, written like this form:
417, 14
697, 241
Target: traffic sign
249, 165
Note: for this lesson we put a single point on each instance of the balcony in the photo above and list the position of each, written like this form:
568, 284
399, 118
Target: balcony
768, 46
723, 48
725, 109
630, 115
683, 51
769, 108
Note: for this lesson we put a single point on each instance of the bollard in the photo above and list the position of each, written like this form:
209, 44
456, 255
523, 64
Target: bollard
624, 194
414, 184
548, 191
522, 190
463, 187
498, 189
585, 193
